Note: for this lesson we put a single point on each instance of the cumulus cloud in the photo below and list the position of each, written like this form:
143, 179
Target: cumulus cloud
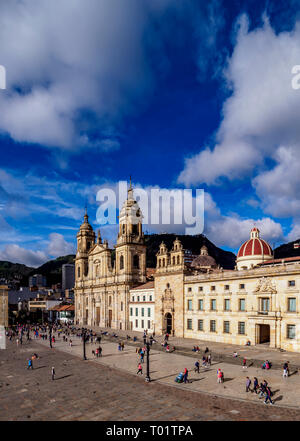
16, 254
260, 117
58, 246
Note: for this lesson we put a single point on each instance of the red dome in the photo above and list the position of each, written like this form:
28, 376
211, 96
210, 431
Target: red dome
255, 246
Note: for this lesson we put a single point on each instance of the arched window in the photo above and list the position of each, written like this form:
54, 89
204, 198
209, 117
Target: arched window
164, 262
97, 270
173, 260
109, 301
86, 269
78, 271
134, 229
123, 228
178, 260
136, 261
121, 262
121, 306
159, 263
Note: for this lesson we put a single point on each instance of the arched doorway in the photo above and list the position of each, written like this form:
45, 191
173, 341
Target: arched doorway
168, 322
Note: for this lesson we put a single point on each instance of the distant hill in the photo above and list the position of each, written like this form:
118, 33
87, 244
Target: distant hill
287, 250
12, 271
52, 269
225, 259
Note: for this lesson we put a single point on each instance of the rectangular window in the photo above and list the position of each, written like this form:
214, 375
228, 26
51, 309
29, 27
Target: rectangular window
144, 298
200, 304
227, 305
212, 326
291, 331
149, 324
226, 327
292, 304
149, 312
190, 305
213, 288
133, 298
189, 289
213, 304
291, 283
200, 325
136, 312
265, 305
138, 298
150, 298
189, 324
200, 288
143, 324
242, 286
131, 311
226, 287
142, 312
241, 328
136, 323
242, 304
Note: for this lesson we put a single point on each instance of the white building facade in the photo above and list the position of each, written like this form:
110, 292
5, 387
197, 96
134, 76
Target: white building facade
142, 308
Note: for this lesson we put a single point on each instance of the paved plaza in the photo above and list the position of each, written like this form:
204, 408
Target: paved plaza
109, 389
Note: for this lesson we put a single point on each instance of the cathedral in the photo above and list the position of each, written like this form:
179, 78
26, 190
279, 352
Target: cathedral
191, 296
103, 277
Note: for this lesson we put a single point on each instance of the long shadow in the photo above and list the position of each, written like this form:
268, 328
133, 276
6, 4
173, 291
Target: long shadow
293, 373
196, 379
167, 376
278, 399
275, 391
39, 367
65, 376
227, 379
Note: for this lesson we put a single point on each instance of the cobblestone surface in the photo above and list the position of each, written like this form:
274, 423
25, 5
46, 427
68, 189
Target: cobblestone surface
88, 390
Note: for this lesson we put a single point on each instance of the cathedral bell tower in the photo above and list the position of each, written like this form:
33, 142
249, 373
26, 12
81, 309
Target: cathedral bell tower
130, 248
85, 241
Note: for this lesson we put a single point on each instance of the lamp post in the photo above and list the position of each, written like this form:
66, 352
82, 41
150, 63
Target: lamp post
50, 335
148, 379
84, 341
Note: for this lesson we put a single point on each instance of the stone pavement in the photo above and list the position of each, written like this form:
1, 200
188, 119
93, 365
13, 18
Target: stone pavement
164, 367
94, 391
221, 351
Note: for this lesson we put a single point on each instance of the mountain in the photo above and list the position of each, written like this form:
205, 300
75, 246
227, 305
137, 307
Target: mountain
11, 271
287, 250
52, 269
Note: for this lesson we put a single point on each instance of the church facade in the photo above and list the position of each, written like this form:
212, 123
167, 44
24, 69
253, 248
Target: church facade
104, 277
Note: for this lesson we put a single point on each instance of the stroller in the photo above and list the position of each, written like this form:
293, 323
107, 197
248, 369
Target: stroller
179, 378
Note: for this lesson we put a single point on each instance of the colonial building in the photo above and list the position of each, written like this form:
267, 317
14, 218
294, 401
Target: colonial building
103, 278
259, 301
142, 308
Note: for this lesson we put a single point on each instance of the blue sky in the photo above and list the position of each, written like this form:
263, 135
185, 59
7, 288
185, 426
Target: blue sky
178, 94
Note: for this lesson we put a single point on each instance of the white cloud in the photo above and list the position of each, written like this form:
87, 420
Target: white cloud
294, 233
261, 115
16, 254
58, 246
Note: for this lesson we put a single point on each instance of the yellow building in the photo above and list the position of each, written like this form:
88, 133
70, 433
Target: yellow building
101, 284
258, 302
3, 305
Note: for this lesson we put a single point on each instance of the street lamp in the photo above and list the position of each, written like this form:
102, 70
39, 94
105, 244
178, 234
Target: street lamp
50, 336
84, 341
148, 379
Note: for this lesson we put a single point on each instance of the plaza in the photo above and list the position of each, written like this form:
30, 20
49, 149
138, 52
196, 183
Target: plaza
108, 389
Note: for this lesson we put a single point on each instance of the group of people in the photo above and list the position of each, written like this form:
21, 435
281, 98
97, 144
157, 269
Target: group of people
263, 389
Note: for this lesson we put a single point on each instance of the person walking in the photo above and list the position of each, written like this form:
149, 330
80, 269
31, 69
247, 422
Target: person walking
53, 373
100, 351
244, 363
197, 366
268, 396
255, 385
209, 360
185, 376
219, 376
142, 357
285, 370
30, 365
140, 369
248, 383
